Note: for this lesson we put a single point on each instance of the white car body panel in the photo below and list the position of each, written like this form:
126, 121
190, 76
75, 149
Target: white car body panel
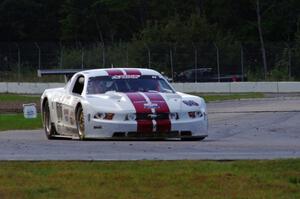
63, 103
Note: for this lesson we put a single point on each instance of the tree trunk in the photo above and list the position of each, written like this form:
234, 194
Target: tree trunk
199, 6
261, 38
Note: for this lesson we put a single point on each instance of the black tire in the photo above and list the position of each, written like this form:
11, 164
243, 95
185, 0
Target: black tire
80, 123
47, 123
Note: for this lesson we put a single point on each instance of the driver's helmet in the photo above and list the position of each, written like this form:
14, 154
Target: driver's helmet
98, 86
108, 84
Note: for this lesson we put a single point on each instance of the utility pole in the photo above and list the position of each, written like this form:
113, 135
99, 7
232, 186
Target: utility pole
19, 62
171, 62
103, 55
218, 61
149, 55
290, 63
39, 54
61, 55
261, 38
242, 62
127, 56
82, 57
196, 61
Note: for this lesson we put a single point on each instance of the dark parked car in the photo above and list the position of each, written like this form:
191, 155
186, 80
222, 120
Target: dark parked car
206, 75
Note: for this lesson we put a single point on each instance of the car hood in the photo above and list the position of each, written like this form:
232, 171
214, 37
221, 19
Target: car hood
123, 102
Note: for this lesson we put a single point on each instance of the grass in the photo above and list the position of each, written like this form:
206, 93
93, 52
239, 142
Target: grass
207, 97
17, 121
151, 179
18, 98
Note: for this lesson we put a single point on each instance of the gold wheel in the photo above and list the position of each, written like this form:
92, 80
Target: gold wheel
80, 123
49, 129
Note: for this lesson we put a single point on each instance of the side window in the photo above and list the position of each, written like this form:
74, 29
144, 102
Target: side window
78, 87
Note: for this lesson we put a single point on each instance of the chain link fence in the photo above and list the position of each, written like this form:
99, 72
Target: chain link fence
20, 61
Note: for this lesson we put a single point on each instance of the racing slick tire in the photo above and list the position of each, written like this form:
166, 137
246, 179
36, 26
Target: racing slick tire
80, 123
48, 125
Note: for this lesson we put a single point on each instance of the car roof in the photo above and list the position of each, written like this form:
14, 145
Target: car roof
119, 71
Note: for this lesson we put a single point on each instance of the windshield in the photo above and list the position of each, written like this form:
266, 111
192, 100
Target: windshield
144, 83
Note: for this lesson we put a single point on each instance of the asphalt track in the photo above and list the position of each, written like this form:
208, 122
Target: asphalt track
245, 129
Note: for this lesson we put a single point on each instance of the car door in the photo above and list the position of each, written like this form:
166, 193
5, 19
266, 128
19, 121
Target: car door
68, 104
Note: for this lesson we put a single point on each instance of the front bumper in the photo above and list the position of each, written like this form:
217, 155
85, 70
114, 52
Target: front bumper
190, 128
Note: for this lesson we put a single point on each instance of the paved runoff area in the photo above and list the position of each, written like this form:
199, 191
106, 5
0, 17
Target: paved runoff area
245, 129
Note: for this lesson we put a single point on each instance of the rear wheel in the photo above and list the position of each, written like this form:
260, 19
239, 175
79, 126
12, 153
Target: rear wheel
48, 126
80, 123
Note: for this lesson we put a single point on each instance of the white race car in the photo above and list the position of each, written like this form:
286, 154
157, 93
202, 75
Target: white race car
122, 103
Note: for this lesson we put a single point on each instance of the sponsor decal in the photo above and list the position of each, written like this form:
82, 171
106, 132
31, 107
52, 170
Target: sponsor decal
114, 72
98, 127
190, 103
59, 111
151, 105
133, 72
152, 116
119, 74
126, 77
66, 115
72, 116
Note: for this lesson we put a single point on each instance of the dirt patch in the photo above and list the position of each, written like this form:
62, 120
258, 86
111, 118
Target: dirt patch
15, 107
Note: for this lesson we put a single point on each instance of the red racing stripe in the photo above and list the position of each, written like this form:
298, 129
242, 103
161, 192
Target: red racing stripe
138, 101
133, 72
114, 72
164, 125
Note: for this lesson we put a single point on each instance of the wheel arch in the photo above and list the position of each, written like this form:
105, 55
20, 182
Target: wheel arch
45, 99
79, 104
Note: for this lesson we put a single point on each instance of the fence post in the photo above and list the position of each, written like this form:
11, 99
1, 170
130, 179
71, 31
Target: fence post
171, 62
218, 61
19, 62
103, 55
82, 57
149, 55
290, 63
61, 55
196, 61
242, 62
127, 55
39, 54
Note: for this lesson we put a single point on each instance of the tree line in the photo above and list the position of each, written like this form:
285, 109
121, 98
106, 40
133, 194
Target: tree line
175, 22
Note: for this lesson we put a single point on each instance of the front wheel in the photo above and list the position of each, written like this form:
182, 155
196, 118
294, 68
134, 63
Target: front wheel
80, 123
48, 126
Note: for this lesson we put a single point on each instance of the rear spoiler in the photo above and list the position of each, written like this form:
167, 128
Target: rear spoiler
68, 73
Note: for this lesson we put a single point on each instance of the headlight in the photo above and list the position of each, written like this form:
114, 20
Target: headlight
195, 114
130, 116
99, 115
199, 114
109, 116
104, 116
192, 114
173, 116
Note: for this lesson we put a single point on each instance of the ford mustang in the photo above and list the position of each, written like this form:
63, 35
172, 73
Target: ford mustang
122, 103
